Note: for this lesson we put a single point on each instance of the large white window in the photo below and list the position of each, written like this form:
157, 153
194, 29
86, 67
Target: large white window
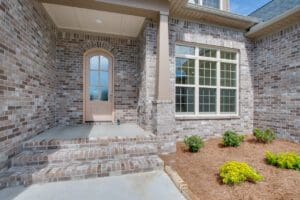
206, 81
207, 3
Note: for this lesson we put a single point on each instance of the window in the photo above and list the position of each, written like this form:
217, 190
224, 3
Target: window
206, 81
98, 78
207, 3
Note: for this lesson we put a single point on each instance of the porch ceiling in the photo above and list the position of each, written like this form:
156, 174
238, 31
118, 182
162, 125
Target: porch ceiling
83, 19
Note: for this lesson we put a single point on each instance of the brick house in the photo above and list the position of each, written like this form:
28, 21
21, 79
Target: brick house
171, 67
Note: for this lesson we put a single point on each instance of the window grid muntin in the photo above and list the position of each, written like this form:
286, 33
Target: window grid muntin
188, 69
186, 98
207, 73
226, 104
206, 52
219, 60
207, 97
228, 55
228, 74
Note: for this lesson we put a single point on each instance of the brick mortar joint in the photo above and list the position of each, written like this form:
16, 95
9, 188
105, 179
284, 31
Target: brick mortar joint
162, 101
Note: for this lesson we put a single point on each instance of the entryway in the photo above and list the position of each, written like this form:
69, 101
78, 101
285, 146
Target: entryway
92, 131
98, 86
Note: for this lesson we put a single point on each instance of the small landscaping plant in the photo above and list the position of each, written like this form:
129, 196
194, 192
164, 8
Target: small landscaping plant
232, 139
237, 172
289, 160
194, 143
266, 136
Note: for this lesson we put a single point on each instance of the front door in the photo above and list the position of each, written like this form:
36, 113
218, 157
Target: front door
98, 86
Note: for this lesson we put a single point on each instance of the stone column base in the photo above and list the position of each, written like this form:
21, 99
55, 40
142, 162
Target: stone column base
163, 117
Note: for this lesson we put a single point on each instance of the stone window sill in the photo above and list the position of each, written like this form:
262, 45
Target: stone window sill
186, 117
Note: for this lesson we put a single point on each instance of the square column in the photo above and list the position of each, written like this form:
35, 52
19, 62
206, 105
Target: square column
163, 68
163, 107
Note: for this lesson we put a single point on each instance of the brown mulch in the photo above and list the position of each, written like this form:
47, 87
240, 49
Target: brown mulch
200, 171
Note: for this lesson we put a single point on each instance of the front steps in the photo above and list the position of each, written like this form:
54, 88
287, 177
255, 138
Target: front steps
53, 160
83, 154
26, 175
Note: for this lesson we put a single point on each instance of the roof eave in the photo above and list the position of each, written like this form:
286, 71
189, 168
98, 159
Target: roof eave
288, 17
245, 21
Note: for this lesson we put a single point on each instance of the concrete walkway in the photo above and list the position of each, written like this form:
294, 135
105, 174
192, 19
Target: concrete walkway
143, 186
92, 131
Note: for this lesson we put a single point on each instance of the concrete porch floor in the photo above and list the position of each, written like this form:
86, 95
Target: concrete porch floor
92, 131
142, 186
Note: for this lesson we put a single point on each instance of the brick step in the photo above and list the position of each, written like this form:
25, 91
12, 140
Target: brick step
26, 175
95, 142
41, 157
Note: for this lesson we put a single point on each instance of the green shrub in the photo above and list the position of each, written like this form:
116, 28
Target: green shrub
231, 139
237, 172
287, 160
266, 136
194, 143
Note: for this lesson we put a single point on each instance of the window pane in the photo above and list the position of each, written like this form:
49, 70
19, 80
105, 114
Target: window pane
184, 50
207, 73
211, 3
207, 99
104, 94
103, 63
94, 93
208, 52
94, 78
194, 1
228, 74
228, 100
228, 55
94, 63
185, 97
103, 79
185, 71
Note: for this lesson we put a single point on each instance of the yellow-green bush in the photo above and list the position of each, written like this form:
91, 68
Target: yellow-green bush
237, 172
287, 160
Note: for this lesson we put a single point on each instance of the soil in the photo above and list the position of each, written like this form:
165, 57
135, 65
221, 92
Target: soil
201, 171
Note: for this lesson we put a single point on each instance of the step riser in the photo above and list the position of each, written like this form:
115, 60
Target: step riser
50, 160
81, 171
27, 147
36, 180
167, 142
83, 154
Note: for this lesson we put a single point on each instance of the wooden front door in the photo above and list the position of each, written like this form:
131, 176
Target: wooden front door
98, 86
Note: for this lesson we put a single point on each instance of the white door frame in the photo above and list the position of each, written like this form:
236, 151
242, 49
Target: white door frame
85, 67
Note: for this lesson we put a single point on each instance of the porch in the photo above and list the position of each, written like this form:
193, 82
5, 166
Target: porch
93, 131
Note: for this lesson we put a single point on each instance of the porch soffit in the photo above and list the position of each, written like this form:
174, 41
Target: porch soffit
142, 8
82, 19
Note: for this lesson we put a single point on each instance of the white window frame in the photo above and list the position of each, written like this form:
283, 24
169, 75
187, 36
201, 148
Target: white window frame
196, 86
200, 2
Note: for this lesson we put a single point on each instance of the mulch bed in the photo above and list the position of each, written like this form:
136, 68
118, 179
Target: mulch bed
201, 171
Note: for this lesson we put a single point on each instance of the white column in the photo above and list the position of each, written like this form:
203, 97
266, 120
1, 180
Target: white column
163, 79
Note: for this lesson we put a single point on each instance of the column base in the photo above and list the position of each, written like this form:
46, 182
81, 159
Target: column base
163, 117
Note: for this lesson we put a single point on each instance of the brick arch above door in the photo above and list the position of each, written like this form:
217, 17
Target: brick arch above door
106, 46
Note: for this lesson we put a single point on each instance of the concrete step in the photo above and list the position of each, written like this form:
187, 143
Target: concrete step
26, 175
114, 152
